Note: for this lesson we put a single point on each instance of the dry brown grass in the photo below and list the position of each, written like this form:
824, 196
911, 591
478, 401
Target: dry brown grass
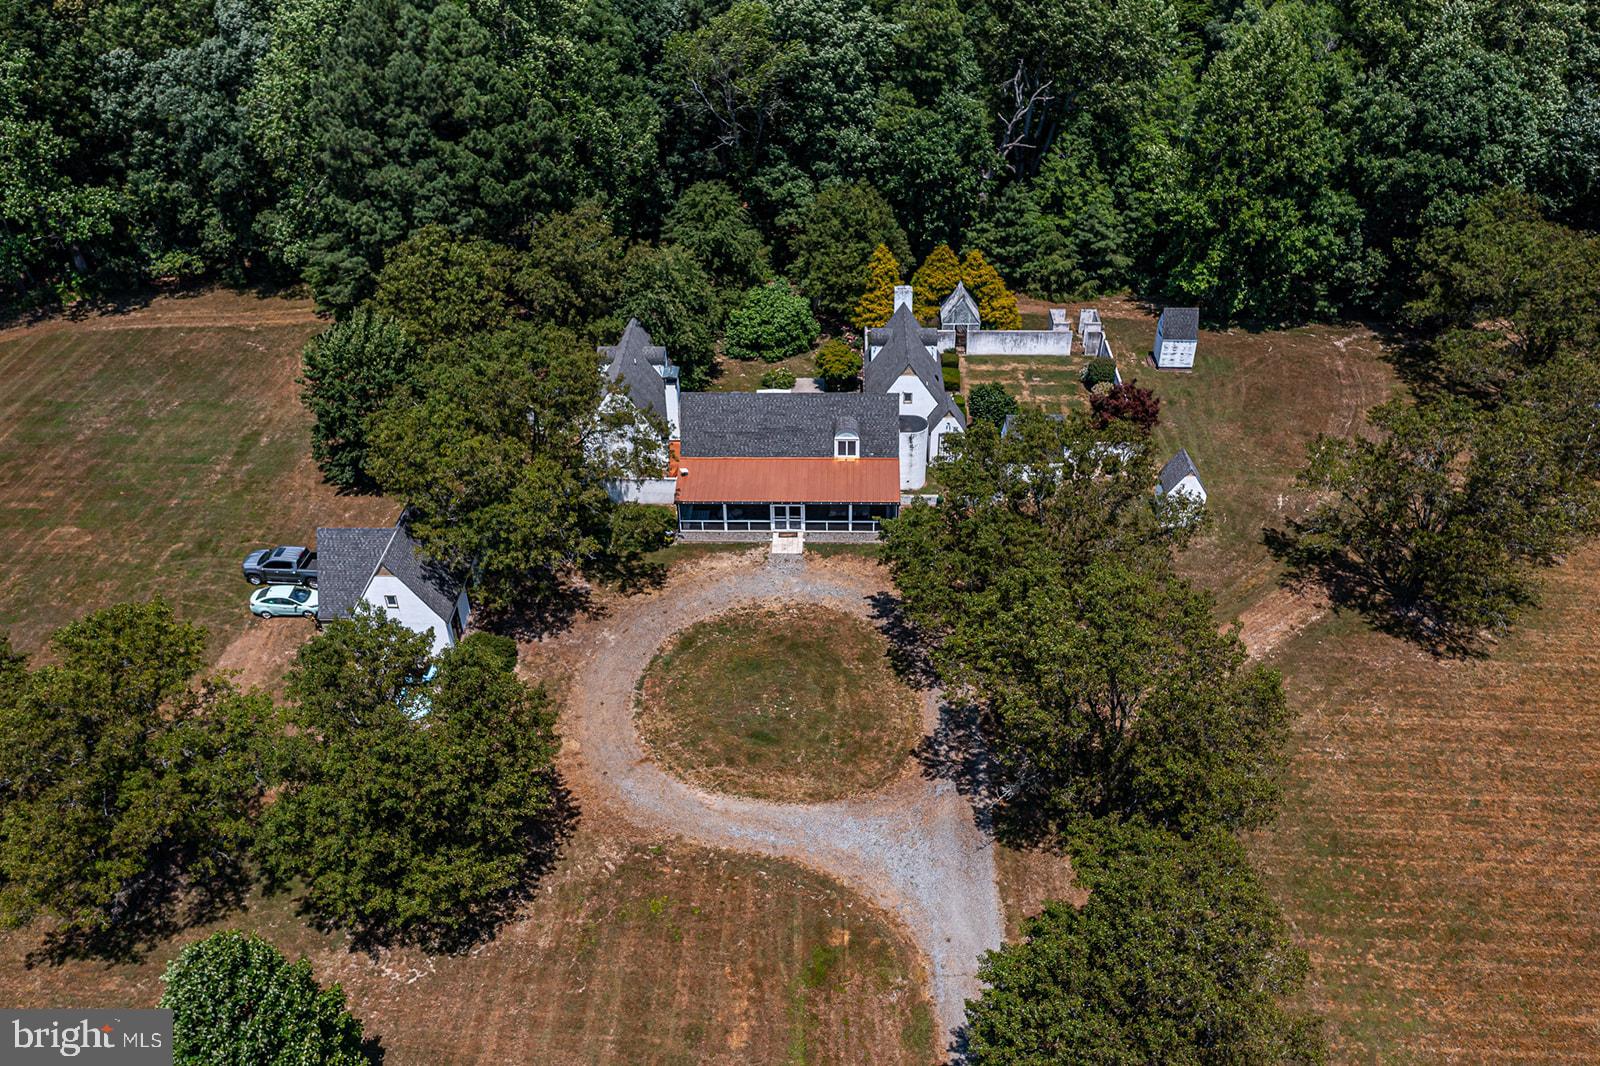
1439, 852
786, 702
145, 453
630, 953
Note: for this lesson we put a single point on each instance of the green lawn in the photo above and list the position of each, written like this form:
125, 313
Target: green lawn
782, 702
140, 458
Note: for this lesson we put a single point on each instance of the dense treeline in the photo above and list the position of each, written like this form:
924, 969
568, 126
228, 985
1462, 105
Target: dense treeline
1268, 161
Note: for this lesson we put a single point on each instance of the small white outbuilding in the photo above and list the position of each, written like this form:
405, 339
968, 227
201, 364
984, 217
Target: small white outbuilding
1180, 476
1177, 337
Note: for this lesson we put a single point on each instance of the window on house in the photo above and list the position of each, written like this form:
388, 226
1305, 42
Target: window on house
845, 447
391, 602
905, 399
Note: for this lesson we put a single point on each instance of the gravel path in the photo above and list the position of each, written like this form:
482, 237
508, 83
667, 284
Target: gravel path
914, 848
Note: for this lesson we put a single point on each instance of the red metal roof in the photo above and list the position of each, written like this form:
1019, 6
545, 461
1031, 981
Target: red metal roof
789, 481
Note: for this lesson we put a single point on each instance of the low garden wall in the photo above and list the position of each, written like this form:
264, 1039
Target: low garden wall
1019, 342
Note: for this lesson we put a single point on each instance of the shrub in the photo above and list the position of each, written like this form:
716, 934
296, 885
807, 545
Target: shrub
997, 305
1125, 403
838, 364
1099, 370
772, 322
991, 403
778, 378
236, 1000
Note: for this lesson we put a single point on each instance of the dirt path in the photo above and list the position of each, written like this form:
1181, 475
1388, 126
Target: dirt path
1276, 617
914, 848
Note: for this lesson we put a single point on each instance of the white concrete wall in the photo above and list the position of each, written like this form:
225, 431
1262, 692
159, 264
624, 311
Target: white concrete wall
947, 341
913, 459
1019, 342
410, 611
661, 490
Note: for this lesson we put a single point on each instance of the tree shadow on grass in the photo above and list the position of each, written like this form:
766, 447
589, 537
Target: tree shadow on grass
1352, 586
546, 613
155, 909
544, 845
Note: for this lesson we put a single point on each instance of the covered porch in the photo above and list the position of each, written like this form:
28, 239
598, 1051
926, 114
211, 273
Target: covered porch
750, 499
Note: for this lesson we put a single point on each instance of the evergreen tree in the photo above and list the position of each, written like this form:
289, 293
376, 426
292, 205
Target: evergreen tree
440, 287
838, 364
997, 305
669, 292
836, 240
877, 301
935, 279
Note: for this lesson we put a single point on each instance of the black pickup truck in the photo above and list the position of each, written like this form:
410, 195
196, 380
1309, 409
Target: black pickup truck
281, 566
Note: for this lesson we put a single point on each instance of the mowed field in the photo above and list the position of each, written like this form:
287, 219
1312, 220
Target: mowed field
1439, 850
629, 954
145, 453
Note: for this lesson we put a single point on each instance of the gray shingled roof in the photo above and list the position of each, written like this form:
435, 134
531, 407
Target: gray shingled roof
633, 361
787, 424
347, 559
1180, 323
901, 319
902, 349
1178, 467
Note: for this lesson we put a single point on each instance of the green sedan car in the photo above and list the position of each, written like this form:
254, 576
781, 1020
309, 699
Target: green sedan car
294, 601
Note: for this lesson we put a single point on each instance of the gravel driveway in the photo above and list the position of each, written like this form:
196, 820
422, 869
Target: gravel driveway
914, 848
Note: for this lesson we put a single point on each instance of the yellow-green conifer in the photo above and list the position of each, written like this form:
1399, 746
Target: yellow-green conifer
877, 302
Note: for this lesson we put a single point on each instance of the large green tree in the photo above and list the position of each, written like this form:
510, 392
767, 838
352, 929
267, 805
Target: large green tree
412, 805
1179, 956
440, 287
668, 290
1439, 523
571, 274
348, 372
118, 771
236, 1001
836, 240
499, 451
710, 221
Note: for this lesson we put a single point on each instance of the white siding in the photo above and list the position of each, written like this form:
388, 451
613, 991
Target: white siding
922, 401
662, 490
409, 610
1174, 355
913, 460
937, 433
1190, 487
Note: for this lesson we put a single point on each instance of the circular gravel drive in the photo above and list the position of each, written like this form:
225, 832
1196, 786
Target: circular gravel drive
914, 848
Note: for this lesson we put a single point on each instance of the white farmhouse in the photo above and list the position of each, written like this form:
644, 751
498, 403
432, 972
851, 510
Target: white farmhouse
1180, 477
906, 366
1177, 337
382, 567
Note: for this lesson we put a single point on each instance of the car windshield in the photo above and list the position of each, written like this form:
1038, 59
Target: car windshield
300, 595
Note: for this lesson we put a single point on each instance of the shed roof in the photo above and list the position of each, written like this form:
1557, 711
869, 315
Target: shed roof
738, 480
1180, 324
348, 558
786, 424
1177, 468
